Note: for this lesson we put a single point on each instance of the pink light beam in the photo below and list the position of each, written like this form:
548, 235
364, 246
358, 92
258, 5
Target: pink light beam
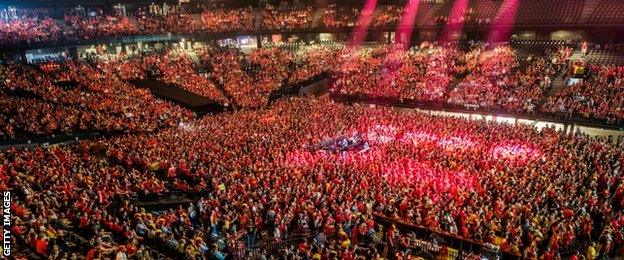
455, 23
503, 23
403, 33
364, 21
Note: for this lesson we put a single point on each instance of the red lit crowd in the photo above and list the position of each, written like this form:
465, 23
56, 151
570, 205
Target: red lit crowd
314, 61
287, 17
176, 67
496, 83
28, 26
229, 20
600, 97
175, 19
73, 98
487, 79
469, 16
267, 70
36, 25
388, 16
390, 71
98, 26
339, 16
536, 194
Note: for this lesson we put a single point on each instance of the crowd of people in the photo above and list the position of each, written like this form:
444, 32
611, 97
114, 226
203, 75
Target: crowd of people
175, 19
177, 68
470, 16
265, 183
81, 26
73, 97
229, 20
301, 177
388, 16
251, 79
392, 72
285, 17
495, 82
28, 26
491, 79
313, 61
600, 97
339, 16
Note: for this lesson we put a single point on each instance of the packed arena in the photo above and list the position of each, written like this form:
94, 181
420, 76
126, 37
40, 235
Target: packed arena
369, 129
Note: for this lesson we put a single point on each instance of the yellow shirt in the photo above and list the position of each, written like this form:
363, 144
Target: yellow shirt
591, 253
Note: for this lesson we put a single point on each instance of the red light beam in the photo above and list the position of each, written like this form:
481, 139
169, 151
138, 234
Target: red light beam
364, 21
455, 23
403, 33
503, 23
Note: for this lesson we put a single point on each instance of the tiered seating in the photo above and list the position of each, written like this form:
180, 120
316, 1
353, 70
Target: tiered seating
484, 10
227, 70
177, 19
537, 12
425, 13
271, 70
605, 55
178, 69
394, 74
601, 97
286, 17
528, 50
28, 26
339, 16
33, 26
389, 15
37, 103
100, 26
608, 12
314, 61
228, 20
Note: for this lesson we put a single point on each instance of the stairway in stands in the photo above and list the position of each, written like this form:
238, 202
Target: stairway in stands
558, 83
134, 22
317, 17
197, 19
588, 9
258, 16
199, 67
576, 55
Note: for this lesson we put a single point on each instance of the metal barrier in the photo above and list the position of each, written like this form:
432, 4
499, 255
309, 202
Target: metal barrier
445, 240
